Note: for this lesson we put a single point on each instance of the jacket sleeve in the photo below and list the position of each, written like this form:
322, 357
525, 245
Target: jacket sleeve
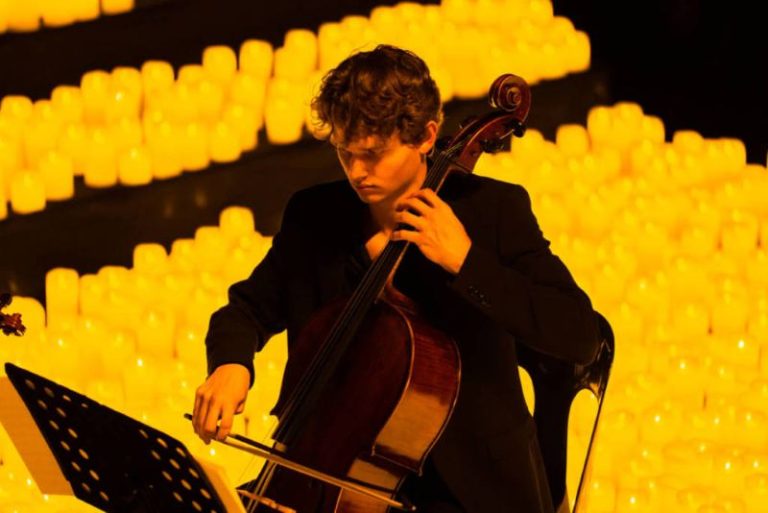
257, 307
526, 289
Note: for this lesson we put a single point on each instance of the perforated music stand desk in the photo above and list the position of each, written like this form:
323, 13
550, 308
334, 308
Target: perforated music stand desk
107, 459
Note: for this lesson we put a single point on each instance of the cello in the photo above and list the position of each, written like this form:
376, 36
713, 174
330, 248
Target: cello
370, 385
10, 324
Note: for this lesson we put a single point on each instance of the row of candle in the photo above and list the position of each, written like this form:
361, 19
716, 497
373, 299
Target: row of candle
31, 16
131, 126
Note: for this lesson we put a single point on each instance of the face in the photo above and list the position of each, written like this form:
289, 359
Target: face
382, 170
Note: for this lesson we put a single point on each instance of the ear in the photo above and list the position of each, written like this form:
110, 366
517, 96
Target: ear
427, 144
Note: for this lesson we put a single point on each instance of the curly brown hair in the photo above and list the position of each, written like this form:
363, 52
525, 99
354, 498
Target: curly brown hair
376, 93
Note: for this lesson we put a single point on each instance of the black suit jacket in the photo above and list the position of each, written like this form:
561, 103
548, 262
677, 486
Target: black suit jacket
511, 289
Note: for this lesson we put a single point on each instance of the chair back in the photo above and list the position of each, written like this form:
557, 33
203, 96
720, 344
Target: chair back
555, 385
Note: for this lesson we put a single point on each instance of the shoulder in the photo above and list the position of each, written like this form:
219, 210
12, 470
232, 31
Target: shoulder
325, 204
481, 190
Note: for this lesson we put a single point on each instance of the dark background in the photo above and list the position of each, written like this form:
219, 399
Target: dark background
696, 65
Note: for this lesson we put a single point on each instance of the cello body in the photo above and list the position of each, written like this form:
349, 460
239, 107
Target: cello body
379, 416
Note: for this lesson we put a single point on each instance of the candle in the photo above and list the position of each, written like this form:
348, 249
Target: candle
225, 143
150, 259
209, 98
190, 346
91, 294
163, 148
194, 146
96, 88
156, 76
86, 10
235, 222
298, 57
23, 16
100, 161
58, 176
255, 58
572, 139
181, 258
117, 351
240, 119
134, 167
191, 74
156, 334
250, 92
210, 248
61, 295
220, 64
39, 138
27, 193
67, 101
116, 6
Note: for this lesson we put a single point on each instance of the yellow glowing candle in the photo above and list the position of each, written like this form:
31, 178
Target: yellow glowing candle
58, 175
163, 147
210, 248
298, 57
209, 98
86, 10
156, 337
238, 117
23, 16
116, 6
193, 146
96, 88
150, 258
67, 101
225, 143
156, 76
250, 92
757, 484
91, 294
140, 382
191, 74
56, 14
220, 64
134, 167
39, 138
255, 58
572, 139
100, 164
27, 193
632, 499
61, 294
182, 255
16, 107
236, 222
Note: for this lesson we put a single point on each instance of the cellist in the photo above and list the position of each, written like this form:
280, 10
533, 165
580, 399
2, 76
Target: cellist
478, 267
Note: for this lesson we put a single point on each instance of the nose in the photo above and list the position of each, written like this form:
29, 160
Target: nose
357, 170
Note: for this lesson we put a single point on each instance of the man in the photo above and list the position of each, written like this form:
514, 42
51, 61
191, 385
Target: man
478, 267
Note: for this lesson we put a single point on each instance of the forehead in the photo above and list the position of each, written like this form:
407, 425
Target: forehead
365, 143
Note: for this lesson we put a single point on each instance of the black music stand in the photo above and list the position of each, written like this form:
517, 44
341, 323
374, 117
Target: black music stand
113, 462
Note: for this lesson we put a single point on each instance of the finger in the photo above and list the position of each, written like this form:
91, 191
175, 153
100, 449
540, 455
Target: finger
211, 419
225, 426
240, 407
201, 406
196, 411
408, 235
417, 204
417, 222
429, 196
